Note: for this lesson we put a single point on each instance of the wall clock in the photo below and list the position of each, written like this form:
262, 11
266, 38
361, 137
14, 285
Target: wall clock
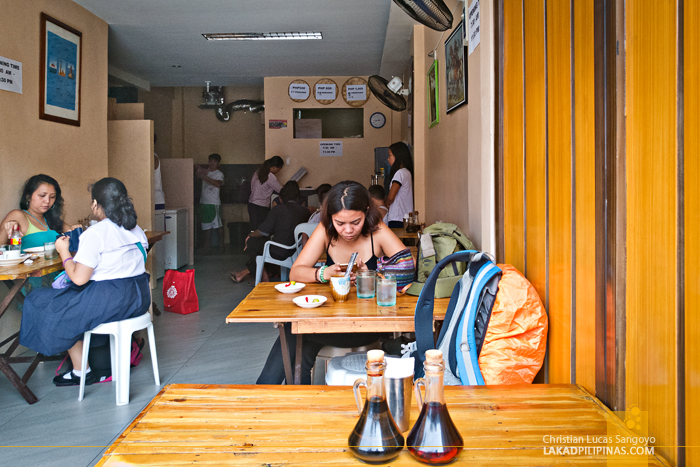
377, 120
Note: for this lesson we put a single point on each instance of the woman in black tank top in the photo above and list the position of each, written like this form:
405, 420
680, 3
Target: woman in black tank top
349, 223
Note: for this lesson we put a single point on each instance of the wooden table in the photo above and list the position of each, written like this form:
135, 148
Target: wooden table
402, 234
265, 304
309, 425
155, 236
14, 278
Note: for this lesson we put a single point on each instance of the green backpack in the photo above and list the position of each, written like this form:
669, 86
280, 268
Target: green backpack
446, 239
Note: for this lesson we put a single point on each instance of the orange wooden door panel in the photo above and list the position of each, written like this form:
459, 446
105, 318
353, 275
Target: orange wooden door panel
559, 184
514, 222
651, 217
585, 193
692, 227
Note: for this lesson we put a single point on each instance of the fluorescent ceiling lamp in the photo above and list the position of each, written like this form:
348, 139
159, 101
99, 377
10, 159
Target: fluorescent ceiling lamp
262, 36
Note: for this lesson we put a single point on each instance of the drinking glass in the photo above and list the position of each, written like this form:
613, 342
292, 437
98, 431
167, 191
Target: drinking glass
340, 288
386, 290
366, 283
50, 250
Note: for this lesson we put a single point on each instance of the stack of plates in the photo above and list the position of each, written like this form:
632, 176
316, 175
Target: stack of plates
14, 261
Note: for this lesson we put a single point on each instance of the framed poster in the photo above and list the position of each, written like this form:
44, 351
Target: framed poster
61, 69
433, 107
455, 69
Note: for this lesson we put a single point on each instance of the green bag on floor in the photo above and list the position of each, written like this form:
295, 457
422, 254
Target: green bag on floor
444, 240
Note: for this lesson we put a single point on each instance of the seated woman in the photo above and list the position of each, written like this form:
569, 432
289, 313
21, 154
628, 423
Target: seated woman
109, 282
40, 213
279, 224
349, 223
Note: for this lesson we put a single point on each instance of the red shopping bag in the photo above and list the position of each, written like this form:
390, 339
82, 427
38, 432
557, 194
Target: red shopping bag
179, 294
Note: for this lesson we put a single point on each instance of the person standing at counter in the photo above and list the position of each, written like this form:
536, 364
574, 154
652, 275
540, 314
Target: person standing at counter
210, 201
263, 184
400, 197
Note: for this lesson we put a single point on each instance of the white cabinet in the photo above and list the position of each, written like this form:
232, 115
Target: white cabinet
176, 243
159, 247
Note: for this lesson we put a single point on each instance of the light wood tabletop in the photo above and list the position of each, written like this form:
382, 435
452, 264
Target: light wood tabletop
309, 425
402, 234
155, 236
265, 304
14, 277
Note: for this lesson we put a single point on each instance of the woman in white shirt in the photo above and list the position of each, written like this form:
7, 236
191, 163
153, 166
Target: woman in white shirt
262, 185
108, 282
400, 197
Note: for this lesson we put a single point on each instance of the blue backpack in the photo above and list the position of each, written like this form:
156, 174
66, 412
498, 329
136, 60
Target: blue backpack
466, 320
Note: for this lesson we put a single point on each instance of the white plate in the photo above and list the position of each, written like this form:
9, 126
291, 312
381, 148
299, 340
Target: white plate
36, 249
290, 289
14, 261
301, 301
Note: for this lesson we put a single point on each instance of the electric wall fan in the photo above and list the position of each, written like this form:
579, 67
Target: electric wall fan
432, 13
389, 93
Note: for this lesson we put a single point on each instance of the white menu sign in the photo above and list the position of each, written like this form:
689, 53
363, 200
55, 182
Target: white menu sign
10, 75
299, 91
474, 26
331, 148
356, 92
325, 91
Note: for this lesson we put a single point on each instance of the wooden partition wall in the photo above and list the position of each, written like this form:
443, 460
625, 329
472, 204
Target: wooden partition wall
590, 123
548, 172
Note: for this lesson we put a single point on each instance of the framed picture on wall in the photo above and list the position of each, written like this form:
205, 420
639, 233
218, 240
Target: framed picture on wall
455, 69
433, 96
61, 70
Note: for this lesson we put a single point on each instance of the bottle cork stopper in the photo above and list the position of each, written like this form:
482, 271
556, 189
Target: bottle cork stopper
433, 356
374, 356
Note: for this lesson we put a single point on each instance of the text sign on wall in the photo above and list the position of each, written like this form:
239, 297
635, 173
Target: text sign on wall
331, 148
10, 75
299, 91
474, 26
356, 92
325, 92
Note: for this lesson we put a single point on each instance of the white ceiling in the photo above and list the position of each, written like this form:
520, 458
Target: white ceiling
148, 37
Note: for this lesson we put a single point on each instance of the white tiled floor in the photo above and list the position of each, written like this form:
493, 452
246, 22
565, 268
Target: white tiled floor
197, 348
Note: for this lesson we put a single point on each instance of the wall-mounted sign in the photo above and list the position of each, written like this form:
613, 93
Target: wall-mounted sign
10, 75
355, 92
474, 26
299, 90
277, 124
325, 91
331, 148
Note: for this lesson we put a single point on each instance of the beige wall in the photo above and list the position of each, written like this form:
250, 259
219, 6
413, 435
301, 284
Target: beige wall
455, 158
185, 130
75, 156
357, 162
179, 189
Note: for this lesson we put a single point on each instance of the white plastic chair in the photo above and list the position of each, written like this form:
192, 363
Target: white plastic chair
120, 349
284, 264
305, 228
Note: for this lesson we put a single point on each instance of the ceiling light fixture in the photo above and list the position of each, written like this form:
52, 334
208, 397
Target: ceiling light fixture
261, 36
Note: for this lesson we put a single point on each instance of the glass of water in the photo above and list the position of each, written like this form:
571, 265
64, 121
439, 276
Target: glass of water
386, 290
366, 283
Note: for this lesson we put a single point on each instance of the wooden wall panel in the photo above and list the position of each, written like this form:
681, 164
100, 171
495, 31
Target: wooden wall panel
535, 147
692, 228
559, 161
584, 115
651, 217
514, 222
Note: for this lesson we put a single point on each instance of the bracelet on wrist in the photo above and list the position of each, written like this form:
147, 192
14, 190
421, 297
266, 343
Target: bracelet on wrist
316, 275
323, 270
64, 261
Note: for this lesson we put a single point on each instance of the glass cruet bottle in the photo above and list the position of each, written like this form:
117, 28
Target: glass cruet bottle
375, 439
434, 438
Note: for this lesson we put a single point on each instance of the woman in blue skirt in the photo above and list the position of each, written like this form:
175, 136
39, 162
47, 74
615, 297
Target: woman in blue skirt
108, 282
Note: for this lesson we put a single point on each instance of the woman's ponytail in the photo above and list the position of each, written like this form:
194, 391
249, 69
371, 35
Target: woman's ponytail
111, 195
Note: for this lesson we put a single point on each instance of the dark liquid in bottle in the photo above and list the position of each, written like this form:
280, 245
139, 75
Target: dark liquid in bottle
434, 438
376, 439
